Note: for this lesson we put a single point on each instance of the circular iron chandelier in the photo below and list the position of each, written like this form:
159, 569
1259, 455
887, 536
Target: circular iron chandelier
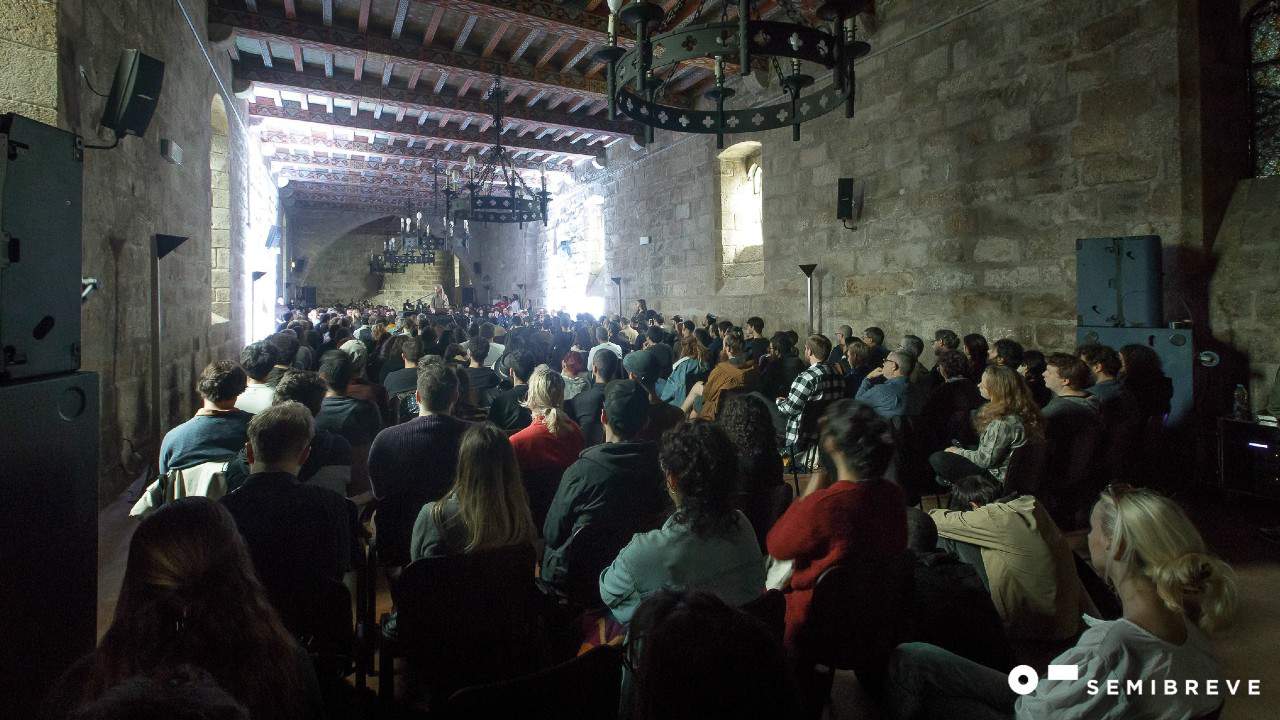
485, 180
413, 244
636, 86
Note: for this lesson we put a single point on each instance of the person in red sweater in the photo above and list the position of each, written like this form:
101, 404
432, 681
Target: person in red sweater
859, 513
550, 444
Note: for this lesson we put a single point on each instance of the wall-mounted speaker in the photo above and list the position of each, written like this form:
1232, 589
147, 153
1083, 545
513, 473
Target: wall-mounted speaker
844, 199
475, 267
135, 92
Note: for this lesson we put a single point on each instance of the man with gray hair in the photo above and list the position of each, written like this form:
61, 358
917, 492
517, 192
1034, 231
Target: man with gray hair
297, 534
885, 389
843, 333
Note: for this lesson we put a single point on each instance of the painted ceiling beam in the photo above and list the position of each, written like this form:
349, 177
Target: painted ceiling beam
546, 15
402, 13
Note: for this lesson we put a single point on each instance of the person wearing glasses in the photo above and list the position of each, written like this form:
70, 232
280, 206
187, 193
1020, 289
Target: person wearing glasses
1172, 592
885, 388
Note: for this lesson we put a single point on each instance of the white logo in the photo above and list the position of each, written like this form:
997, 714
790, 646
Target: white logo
1024, 680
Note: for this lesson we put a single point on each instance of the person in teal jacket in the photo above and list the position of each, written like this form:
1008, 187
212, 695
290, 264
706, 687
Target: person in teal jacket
690, 367
705, 545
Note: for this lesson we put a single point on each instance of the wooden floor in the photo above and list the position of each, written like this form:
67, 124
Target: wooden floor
1248, 650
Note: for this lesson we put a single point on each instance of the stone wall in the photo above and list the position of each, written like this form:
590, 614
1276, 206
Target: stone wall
984, 145
132, 193
29, 56
340, 274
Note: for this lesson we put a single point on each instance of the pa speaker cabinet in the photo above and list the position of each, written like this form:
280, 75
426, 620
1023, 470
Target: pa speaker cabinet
49, 547
135, 92
844, 199
1177, 355
40, 206
1119, 282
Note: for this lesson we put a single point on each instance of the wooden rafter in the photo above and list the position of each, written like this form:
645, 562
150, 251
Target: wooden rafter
402, 13
494, 39
551, 51
524, 44
326, 12
363, 22
552, 17
429, 36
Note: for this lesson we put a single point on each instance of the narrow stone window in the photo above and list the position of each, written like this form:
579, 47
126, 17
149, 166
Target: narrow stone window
219, 213
1264, 86
741, 227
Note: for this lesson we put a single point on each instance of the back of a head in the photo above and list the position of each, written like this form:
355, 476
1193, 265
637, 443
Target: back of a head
335, 368
492, 500
545, 397
734, 343
1147, 533
301, 386
949, 339
655, 335
749, 425
359, 355
626, 408
1009, 352
522, 363
1034, 362
602, 335
856, 351
701, 659
952, 364
780, 343
756, 324
287, 344
846, 331
486, 331
477, 349
724, 326
819, 347
411, 348
258, 358
437, 387
1094, 354
1141, 362
281, 432
875, 333
221, 381
913, 344
975, 346
905, 360
861, 436
922, 532
979, 489
704, 463
605, 363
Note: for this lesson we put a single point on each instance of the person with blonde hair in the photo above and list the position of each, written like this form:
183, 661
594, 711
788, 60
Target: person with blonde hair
486, 508
1010, 419
1172, 591
550, 443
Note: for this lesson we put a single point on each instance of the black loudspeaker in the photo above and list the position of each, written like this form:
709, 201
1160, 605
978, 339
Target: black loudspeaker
41, 169
308, 295
844, 199
1119, 282
135, 92
1177, 355
475, 267
468, 296
49, 512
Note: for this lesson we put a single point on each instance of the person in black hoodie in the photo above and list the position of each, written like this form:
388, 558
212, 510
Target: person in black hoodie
483, 380
610, 493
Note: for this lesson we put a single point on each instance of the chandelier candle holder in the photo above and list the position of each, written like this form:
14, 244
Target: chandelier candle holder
413, 244
635, 77
496, 192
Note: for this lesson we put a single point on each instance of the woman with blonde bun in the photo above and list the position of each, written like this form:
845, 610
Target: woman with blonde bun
1153, 663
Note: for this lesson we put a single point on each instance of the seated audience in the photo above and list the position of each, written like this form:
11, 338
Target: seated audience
463, 409
705, 545
181, 692
296, 533
190, 597
1172, 592
736, 374
488, 333
392, 357
355, 420
1104, 372
749, 424
550, 443
328, 449
877, 352
610, 493
843, 335
257, 359
405, 380
1006, 353
698, 658
289, 355
1023, 557
857, 514
855, 365
655, 340
814, 389
359, 387
1009, 420
1032, 370
947, 413
780, 366
485, 509
975, 346
943, 340
586, 407
413, 463
484, 381
950, 605
508, 410
919, 376
573, 371
1066, 376
602, 343
218, 430
645, 367
886, 389
690, 367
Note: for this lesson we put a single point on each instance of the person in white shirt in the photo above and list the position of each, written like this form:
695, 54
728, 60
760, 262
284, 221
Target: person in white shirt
257, 359
496, 349
602, 343
1172, 592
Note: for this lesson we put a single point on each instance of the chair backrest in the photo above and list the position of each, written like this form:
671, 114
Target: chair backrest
584, 688
1026, 468
810, 415
318, 612
469, 619
402, 406
857, 615
771, 609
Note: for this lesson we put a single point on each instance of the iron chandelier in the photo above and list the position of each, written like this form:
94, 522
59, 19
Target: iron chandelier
636, 85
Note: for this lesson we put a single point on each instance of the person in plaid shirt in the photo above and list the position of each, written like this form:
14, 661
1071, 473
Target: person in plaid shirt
819, 382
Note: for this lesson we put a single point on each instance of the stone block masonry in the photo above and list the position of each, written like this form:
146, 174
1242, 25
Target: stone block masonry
29, 56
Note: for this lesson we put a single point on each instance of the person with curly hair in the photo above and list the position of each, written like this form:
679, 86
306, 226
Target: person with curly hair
219, 428
749, 424
1010, 419
858, 513
705, 545
190, 596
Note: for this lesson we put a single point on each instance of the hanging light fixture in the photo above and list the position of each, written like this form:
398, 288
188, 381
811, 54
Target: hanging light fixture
637, 82
496, 193
413, 244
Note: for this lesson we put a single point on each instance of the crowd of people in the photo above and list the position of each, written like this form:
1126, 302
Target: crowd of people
645, 462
